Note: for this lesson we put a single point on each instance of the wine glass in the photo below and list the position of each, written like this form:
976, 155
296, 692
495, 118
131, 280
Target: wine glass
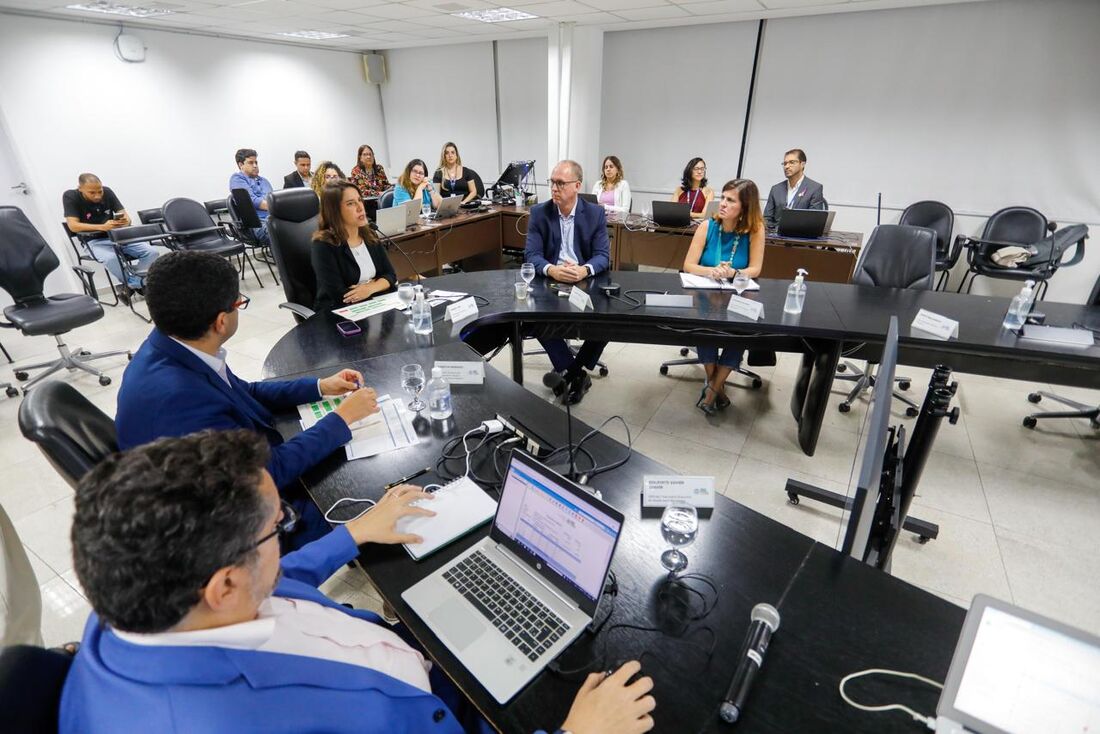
679, 526
412, 381
527, 272
426, 211
405, 293
740, 282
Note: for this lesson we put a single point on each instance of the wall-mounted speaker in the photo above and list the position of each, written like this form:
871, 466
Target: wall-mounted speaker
374, 67
130, 48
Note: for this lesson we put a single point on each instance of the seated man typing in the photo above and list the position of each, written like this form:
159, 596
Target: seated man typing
567, 242
179, 381
197, 628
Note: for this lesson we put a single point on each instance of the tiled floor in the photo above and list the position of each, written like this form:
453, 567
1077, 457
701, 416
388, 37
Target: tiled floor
1019, 510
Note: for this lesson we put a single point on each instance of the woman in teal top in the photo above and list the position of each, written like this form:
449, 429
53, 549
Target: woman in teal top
730, 244
413, 183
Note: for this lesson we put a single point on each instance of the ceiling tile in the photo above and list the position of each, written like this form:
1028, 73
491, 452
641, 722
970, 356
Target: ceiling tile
367, 6
525, 26
616, 5
441, 20
557, 8
717, 7
398, 12
596, 18
450, 6
656, 13
781, 4
397, 26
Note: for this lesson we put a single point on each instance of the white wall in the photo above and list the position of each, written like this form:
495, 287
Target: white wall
521, 69
169, 126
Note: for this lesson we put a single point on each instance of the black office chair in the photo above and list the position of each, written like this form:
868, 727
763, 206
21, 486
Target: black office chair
151, 216
479, 185
189, 227
86, 273
1080, 410
1023, 227
7, 386
756, 380
385, 201
291, 221
243, 219
72, 433
895, 256
939, 218
31, 679
217, 209
25, 261
152, 234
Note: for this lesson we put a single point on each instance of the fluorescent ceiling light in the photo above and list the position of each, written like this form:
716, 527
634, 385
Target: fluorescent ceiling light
494, 15
314, 35
133, 11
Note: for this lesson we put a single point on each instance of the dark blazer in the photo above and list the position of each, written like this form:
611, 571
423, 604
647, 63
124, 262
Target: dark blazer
589, 236
168, 391
336, 271
293, 181
810, 195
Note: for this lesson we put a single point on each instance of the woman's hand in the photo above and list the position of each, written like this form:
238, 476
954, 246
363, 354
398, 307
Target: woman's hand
363, 291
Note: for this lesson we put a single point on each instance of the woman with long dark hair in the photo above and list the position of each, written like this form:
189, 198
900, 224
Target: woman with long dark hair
693, 189
367, 174
349, 263
413, 183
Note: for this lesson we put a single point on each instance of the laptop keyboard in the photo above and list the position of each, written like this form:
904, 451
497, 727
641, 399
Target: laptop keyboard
525, 621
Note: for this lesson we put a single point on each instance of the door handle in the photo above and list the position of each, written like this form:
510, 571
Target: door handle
21, 186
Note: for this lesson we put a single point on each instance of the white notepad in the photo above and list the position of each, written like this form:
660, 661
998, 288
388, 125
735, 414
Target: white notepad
459, 507
687, 280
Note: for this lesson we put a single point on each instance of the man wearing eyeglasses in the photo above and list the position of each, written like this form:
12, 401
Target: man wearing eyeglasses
797, 192
198, 626
567, 242
179, 381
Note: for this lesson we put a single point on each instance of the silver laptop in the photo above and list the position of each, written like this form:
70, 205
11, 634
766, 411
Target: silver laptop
1016, 672
448, 207
412, 212
391, 220
510, 604
712, 209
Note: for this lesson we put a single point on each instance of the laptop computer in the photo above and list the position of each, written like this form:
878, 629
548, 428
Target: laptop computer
510, 604
671, 213
1015, 671
807, 224
448, 207
370, 205
391, 220
412, 212
712, 209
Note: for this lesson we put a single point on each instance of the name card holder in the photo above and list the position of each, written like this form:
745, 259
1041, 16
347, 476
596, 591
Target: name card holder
463, 373
578, 298
935, 325
464, 309
659, 490
746, 307
669, 301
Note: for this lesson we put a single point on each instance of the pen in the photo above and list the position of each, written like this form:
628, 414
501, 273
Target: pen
409, 478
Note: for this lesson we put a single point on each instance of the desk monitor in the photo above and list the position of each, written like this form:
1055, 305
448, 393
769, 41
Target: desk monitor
370, 204
810, 224
671, 214
514, 174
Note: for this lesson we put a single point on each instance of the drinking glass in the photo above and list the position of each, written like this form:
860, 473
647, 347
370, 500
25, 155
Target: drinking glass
426, 211
527, 272
412, 381
405, 294
740, 282
679, 526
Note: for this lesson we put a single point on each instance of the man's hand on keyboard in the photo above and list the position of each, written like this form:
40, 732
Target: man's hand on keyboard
608, 705
378, 525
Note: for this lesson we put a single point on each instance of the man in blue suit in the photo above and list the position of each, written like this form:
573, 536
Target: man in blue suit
198, 626
567, 242
179, 382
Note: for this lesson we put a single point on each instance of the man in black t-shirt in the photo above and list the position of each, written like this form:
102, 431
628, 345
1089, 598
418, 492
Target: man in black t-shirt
91, 211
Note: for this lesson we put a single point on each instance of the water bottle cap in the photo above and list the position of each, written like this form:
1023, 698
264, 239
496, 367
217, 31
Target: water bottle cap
1029, 284
801, 275
437, 373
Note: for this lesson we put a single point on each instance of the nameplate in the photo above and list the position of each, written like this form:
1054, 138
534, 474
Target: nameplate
935, 325
463, 373
664, 299
659, 491
462, 310
746, 307
578, 298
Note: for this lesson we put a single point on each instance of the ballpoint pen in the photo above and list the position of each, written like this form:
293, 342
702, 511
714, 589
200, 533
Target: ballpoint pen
409, 478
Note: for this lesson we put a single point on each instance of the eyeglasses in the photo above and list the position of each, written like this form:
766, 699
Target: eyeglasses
556, 184
241, 303
700, 169
790, 163
284, 526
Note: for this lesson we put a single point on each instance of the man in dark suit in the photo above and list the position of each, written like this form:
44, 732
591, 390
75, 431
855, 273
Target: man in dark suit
567, 242
179, 383
797, 192
301, 174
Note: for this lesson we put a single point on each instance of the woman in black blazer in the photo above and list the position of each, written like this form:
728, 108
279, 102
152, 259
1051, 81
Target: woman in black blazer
349, 263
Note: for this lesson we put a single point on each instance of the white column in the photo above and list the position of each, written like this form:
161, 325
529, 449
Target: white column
575, 69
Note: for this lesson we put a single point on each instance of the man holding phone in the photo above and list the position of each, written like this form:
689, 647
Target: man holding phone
91, 211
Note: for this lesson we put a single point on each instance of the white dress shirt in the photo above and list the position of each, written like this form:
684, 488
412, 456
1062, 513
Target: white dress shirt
367, 271
306, 628
215, 362
792, 190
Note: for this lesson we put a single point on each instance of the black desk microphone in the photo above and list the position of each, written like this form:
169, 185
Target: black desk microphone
389, 244
765, 621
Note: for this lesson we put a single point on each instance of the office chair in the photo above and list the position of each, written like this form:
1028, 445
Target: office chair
243, 219
1025, 227
25, 261
10, 391
86, 273
189, 227
134, 234
1080, 410
151, 216
479, 185
217, 209
741, 370
385, 201
31, 679
939, 218
291, 221
72, 433
895, 256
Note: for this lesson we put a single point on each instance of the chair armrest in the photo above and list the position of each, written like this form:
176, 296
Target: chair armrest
1078, 251
192, 232
83, 270
146, 238
960, 242
297, 308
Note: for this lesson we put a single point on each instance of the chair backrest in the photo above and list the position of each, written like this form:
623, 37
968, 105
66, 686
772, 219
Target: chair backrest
72, 433
181, 214
214, 207
935, 215
385, 201
479, 185
31, 679
25, 258
1019, 224
240, 208
1094, 297
80, 247
898, 256
292, 216
150, 216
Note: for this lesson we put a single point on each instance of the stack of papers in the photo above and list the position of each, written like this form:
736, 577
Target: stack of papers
438, 296
387, 430
370, 307
687, 280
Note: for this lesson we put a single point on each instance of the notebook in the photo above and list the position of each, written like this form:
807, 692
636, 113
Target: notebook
687, 280
459, 507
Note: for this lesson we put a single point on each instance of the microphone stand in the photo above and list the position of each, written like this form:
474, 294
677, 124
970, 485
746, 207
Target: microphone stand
389, 244
553, 384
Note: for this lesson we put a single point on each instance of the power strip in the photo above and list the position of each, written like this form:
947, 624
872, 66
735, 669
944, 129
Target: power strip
532, 442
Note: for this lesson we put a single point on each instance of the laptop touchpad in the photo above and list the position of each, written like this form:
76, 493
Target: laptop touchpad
454, 620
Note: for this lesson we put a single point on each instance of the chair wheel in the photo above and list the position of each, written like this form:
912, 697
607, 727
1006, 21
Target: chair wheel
12, 392
1030, 422
129, 356
903, 385
83, 353
792, 498
684, 351
19, 375
105, 380
842, 367
663, 369
756, 383
1034, 397
844, 407
912, 412
922, 539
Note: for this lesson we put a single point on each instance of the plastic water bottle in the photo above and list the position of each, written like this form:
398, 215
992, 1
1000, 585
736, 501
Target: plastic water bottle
439, 396
1020, 307
796, 294
421, 315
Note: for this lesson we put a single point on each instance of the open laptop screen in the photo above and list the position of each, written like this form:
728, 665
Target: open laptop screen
566, 534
